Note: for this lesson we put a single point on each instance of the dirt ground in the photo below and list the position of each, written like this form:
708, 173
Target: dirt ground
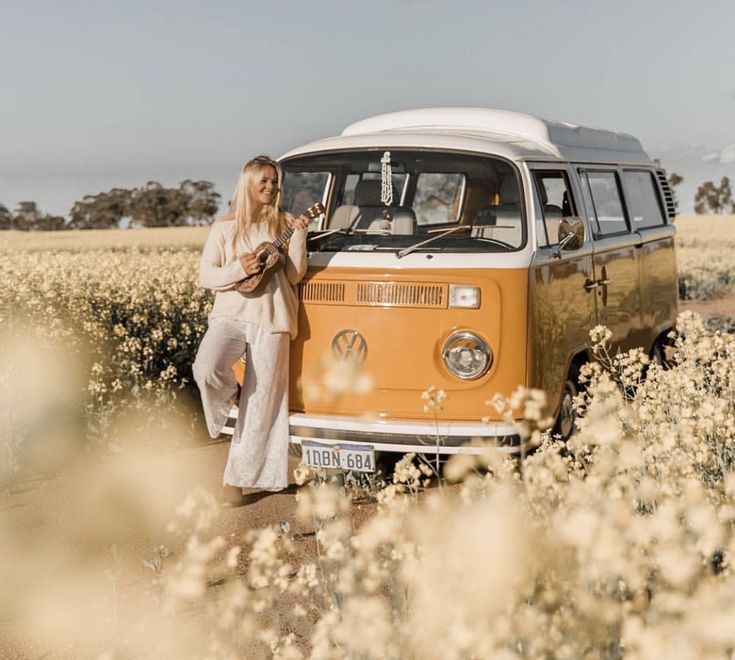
705, 308
111, 517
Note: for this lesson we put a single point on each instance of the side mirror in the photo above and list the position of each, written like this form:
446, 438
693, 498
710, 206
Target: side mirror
571, 233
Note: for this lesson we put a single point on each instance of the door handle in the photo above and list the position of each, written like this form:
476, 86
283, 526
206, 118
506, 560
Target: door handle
604, 282
590, 284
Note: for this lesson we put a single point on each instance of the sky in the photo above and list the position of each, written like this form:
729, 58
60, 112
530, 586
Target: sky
96, 95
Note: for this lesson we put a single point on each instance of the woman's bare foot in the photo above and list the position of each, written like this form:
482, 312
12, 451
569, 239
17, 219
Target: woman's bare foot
231, 496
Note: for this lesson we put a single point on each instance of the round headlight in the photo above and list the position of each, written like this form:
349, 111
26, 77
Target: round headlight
467, 356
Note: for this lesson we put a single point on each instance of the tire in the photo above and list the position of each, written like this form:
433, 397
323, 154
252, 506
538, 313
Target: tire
657, 354
564, 425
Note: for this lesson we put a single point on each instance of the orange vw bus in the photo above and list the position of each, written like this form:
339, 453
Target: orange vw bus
469, 249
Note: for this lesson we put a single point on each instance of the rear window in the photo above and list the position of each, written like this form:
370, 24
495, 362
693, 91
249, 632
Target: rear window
645, 204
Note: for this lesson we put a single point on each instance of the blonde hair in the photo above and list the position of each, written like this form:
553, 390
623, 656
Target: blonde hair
245, 210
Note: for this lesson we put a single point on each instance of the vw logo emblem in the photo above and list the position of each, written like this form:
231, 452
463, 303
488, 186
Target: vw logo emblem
349, 345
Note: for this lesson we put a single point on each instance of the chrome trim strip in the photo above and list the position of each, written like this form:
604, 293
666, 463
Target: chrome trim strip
427, 443
404, 427
418, 448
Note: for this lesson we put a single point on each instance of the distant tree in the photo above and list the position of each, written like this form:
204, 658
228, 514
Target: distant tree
201, 200
6, 218
27, 216
726, 200
675, 179
715, 199
48, 222
156, 206
102, 211
706, 198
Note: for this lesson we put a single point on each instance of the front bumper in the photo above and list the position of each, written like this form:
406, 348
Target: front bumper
405, 436
402, 436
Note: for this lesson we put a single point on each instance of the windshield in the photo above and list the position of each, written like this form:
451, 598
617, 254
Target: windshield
476, 197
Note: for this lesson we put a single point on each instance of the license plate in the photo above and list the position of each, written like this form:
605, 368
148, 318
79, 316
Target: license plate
359, 458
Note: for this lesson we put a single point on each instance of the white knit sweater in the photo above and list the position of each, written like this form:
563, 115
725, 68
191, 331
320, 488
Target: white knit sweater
273, 304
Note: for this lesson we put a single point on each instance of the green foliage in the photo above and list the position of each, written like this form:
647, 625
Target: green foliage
6, 218
102, 211
133, 317
193, 203
715, 199
675, 179
28, 217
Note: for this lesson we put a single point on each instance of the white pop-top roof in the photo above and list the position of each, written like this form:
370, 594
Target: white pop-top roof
513, 134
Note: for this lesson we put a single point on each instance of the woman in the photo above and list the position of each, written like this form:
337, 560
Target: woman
258, 324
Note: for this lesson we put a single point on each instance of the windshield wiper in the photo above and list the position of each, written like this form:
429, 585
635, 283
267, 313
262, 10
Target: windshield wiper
444, 232
329, 232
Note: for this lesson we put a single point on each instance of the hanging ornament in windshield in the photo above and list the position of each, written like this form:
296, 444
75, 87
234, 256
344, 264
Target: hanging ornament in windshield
386, 175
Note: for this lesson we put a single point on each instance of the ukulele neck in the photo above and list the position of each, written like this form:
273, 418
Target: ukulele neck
283, 238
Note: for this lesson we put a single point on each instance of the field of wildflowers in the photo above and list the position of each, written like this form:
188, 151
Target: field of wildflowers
704, 250
127, 304
616, 544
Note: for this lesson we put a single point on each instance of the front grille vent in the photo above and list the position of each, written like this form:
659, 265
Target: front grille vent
323, 292
669, 199
391, 294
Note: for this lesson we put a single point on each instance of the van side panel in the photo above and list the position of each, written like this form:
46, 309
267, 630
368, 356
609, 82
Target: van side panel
619, 293
561, 313
658, 277
404, 338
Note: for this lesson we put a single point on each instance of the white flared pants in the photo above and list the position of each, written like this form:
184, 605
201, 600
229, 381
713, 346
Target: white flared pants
258, 456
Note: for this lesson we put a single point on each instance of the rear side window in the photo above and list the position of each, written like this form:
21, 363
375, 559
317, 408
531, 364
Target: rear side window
607, 202
645, 206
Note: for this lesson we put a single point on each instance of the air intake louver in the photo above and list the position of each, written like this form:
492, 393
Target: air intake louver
669, 199
328, 293
375, 294
392, 294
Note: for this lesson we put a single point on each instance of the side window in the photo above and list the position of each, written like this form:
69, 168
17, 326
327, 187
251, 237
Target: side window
438, 197
541, 238
606, 202
555, 200
587, 197
645, 206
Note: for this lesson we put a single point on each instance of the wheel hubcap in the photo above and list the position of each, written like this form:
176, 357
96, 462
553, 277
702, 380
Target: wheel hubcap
566, 414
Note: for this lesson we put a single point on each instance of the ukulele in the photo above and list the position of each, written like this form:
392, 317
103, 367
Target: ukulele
268, 253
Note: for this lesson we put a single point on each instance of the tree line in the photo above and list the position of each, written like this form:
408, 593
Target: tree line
152, 205
197, 202
709, 198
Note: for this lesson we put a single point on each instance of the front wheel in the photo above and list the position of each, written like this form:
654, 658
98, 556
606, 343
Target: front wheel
657, 354
564, 426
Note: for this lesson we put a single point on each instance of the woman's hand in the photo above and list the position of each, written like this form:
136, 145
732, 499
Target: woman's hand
302, 222
250, 263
